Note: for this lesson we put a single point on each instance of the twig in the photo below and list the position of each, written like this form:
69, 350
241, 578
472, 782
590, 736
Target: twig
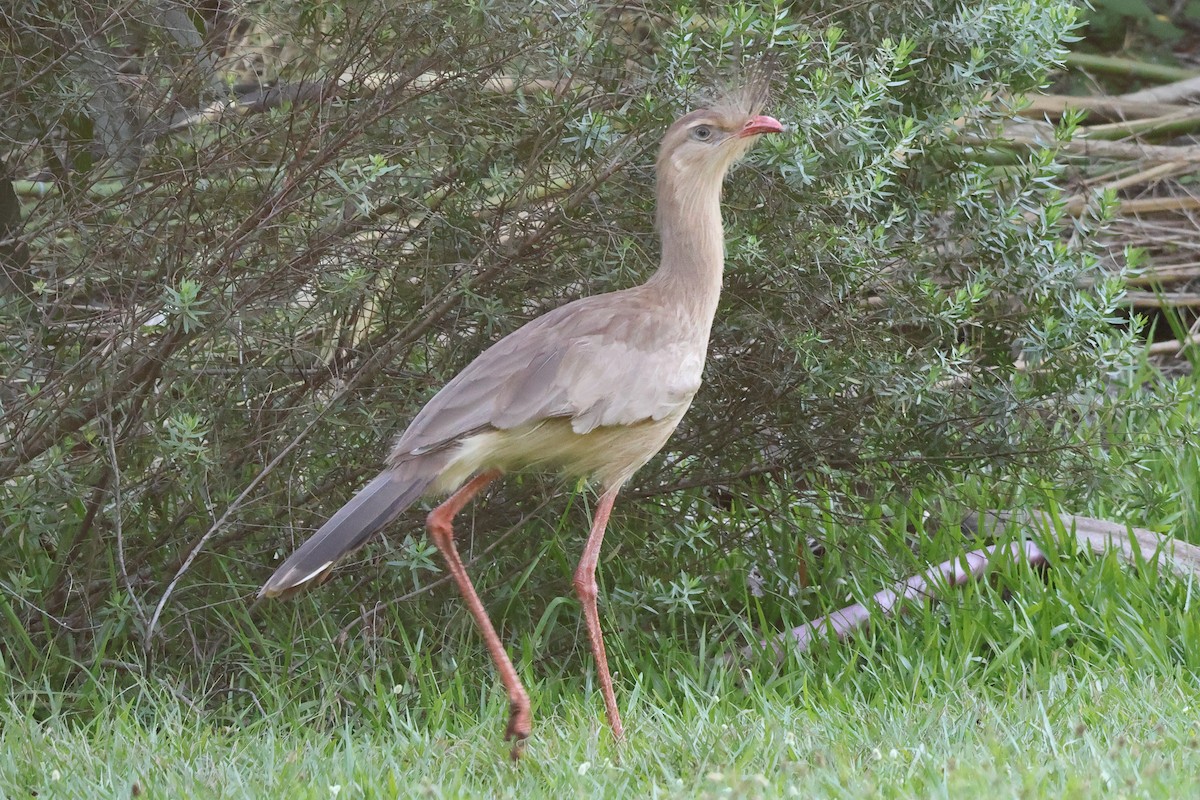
1032, 134
216, 526
1181, 121
1167, 273
118, 523
1153, 205
324, 90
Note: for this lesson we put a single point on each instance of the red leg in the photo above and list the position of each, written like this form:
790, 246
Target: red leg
440, 524
585, 587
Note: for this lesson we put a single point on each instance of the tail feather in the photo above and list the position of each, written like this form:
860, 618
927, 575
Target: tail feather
376, 504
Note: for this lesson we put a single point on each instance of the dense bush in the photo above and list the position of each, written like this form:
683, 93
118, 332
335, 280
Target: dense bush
252, 245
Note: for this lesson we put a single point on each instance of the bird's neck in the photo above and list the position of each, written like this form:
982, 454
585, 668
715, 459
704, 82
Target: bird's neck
693, 245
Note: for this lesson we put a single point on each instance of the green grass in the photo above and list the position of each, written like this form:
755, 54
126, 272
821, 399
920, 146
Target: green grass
1082, 685
1079, 730
1077, 682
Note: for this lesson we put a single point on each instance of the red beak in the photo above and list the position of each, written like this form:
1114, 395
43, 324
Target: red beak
760, 125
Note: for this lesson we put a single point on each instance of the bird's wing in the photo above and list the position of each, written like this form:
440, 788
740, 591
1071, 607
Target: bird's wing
604, 360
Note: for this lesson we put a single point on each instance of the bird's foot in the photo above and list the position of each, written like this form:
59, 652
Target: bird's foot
520, 725
618, 730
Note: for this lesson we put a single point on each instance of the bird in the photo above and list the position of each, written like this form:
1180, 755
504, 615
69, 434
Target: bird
593, 388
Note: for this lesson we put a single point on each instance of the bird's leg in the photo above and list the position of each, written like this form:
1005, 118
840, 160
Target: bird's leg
585, 587
440, 525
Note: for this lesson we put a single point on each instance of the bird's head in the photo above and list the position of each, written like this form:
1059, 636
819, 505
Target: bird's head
699, 147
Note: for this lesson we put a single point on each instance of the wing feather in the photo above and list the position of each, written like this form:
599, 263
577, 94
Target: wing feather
603, 360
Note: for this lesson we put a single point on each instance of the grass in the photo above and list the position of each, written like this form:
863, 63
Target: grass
1079, 733
1077, 682
1080, 685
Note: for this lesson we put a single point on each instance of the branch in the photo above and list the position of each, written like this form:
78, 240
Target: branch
1135, 546
1181, 91
1110, 108
1128, 67
1173, 348
1040, 134
1162, 299
256, 99
216, 526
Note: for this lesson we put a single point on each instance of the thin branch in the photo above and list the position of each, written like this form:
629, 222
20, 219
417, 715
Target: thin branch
1172, 348
118, 523
216, 526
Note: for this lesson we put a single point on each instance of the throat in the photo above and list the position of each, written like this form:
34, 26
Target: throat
693, 248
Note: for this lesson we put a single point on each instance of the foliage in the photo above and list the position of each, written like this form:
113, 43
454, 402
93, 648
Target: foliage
249, 261
1114, 23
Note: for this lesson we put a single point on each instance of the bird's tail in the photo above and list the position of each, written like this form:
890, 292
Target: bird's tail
376, 504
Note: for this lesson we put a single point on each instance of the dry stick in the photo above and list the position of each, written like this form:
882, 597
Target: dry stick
1167, 273
1154, 205
1147, 205
1111, 108
118, 522
1147, 153
1133, 545
1162, 300
320, 90
1177, 92
1077, 203
1039, 135
1152, 233
1174, 347
1182, 121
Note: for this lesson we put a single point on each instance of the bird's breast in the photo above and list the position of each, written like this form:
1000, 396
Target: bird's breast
607, 454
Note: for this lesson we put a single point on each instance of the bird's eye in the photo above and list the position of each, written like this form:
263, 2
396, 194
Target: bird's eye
702, 133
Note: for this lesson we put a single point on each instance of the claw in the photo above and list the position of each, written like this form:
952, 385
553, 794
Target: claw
519, 723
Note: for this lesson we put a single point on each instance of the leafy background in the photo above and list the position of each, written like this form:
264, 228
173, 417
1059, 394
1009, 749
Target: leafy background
252, 243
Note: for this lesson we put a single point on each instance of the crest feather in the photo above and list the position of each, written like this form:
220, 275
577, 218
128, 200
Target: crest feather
747, 91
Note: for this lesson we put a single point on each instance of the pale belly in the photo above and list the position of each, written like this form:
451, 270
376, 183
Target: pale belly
608, 455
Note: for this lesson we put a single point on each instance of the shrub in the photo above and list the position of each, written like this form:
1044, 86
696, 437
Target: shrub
257, 244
